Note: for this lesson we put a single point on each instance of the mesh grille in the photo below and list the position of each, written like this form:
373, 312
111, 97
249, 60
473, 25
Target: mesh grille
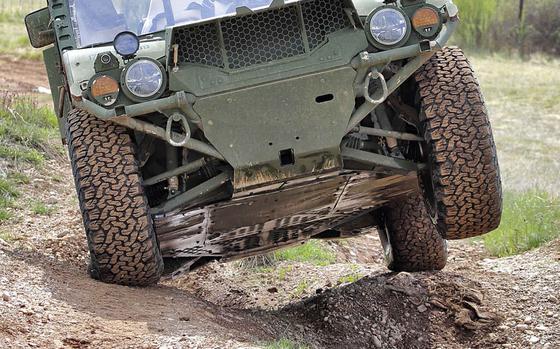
199, 45
323, 17
262, 37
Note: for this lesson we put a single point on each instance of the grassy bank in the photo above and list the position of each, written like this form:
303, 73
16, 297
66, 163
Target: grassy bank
530, 220
28, 136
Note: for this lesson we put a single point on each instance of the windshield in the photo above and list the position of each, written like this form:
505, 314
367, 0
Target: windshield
99, 21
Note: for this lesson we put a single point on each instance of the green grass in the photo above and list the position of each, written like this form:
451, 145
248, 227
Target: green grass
301, 288
8, 194
285, 344
41, 209
314, 252
7, 236
28, 135
19, 178
530, 220
350, 278
17, 153
28, 132
284, 271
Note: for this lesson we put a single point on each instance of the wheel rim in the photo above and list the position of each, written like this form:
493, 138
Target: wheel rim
426, 178
385, 238
428, 192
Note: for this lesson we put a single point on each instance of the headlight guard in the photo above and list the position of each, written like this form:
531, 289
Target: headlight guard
143, 79
388, 27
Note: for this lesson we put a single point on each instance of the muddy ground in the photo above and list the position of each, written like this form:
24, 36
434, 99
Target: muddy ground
48, 301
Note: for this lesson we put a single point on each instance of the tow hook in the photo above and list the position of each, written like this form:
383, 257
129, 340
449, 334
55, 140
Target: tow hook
182, 120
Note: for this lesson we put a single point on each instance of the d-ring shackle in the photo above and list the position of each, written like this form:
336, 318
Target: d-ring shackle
375, 75
182, 120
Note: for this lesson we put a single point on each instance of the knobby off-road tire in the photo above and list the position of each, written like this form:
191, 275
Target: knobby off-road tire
121, 238
410, 239
462, 186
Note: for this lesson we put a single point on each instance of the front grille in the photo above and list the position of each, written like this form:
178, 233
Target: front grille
263, 37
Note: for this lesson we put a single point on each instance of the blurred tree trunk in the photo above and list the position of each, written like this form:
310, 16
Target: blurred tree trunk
522, 31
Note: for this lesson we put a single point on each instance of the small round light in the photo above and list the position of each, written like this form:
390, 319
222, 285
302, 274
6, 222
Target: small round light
126, 44
105, 90
388, 26
144, 78
426, 21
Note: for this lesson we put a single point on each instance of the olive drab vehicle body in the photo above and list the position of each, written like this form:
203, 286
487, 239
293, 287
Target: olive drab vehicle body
227, 129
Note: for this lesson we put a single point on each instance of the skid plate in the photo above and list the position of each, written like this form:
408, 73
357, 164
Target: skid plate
268, 220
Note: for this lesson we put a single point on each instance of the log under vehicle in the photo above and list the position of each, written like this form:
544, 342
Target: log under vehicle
218, 130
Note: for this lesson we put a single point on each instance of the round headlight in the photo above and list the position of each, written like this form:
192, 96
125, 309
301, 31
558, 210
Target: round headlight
126, 44
143, 79
388, 27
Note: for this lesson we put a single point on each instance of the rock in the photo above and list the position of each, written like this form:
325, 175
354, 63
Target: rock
522, 327
474, 296
27, 312
534, 340
63, 234
438, 304
541, 328
6, 297
528, 320
377, 342
422, 308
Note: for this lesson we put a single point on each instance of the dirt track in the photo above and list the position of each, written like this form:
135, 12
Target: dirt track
47, 300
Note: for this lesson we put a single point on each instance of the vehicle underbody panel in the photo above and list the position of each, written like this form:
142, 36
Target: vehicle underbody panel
266, 221
297, 117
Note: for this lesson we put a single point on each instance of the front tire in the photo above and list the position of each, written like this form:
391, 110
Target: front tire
121, 238
462, 185
410, 240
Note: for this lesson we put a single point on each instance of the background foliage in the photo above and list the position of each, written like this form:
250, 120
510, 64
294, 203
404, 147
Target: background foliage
494, 25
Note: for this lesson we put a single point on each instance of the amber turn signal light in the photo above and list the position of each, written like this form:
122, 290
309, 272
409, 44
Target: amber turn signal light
426, 21
105, 90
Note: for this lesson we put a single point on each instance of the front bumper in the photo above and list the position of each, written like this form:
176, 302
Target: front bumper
250, 128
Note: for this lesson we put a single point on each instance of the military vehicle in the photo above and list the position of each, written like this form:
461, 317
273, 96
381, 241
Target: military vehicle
218, 130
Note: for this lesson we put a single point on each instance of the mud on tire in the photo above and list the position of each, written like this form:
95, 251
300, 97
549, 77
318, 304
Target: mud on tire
462, 186
410, 240
121, 238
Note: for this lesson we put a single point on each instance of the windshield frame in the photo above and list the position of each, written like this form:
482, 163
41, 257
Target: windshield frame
97, 36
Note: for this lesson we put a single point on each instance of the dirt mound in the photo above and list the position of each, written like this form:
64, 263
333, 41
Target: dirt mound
391, 311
